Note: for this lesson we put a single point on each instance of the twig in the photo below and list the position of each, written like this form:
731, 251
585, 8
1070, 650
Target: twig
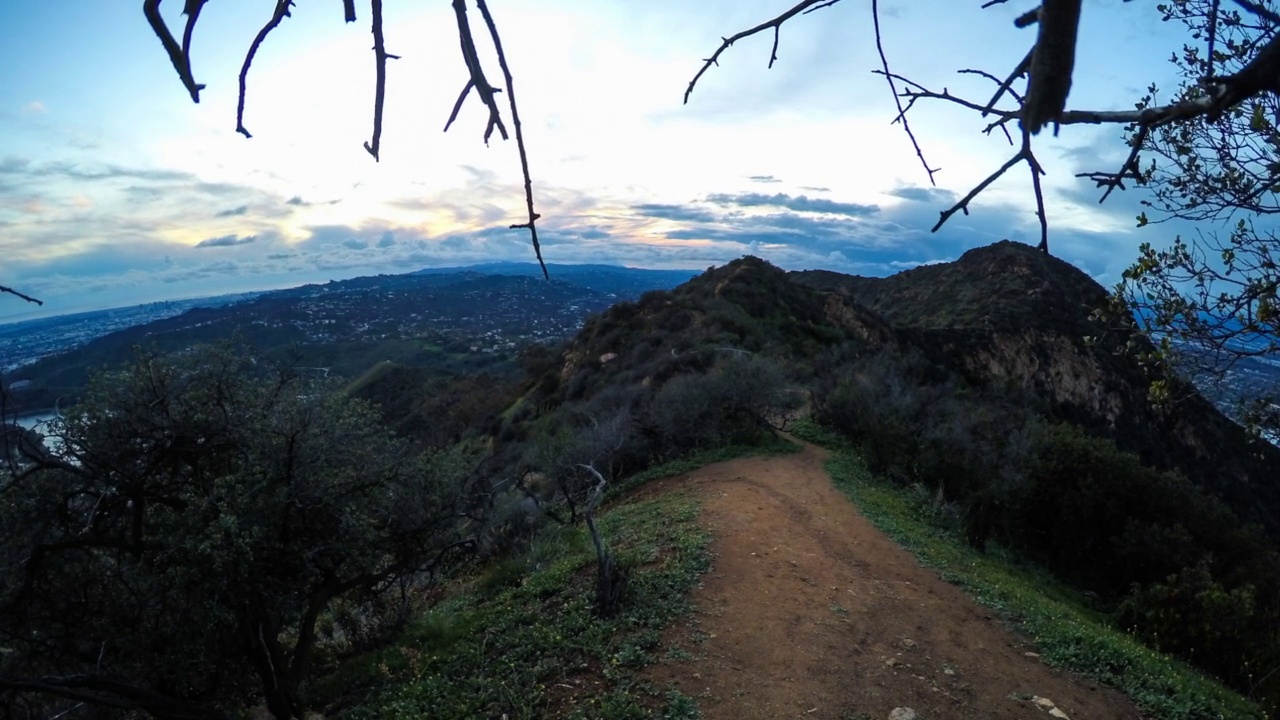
477, 78
1028, 18
1259, 10
181, 62
515, 122
888, 76
192, 11
1036, 172
28, 298
349, 10
380, 56
1129, 168
963, 203
1007, 85
1213, 37
775, 24
281, 12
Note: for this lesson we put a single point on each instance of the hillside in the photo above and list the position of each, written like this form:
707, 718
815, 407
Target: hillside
1009, 315
965, 416
450, 322
972, 383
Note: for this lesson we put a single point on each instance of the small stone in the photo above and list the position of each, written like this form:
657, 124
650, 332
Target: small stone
948, 671
892, 662
1030, 654
1043, 703
908, 643
1055, 712
902, 713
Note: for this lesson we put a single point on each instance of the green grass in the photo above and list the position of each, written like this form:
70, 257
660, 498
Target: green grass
521, 640
1065, 631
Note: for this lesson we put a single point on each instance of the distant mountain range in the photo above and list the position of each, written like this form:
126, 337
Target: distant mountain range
442, 318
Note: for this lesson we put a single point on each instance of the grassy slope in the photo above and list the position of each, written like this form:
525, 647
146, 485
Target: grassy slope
520, 639
1066, 632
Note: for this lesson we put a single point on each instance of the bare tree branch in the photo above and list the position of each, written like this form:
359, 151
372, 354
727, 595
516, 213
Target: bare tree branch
477, 78
775, 24
1052, 63
281, 12
380, 56
963, 204
349, 10
902, 117
192, 11
1128, 170
1007, 85
28, 298
181, 61
515, 122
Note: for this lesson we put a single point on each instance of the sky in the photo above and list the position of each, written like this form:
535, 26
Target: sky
117, 189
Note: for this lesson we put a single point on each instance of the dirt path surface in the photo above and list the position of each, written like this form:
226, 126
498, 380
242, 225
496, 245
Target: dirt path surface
811, 612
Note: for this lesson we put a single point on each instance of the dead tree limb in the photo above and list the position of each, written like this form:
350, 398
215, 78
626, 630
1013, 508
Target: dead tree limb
28, 298
515, 123
1052, 63
380, 57
893, 89
477, 78
177, 55
775, 24
281, 12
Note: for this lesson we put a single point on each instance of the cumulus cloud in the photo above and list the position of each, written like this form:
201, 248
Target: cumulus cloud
798, 203
683, 213
226, 241
937, 196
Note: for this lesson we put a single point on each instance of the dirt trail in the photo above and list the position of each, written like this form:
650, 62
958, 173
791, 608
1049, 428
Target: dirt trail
811, 612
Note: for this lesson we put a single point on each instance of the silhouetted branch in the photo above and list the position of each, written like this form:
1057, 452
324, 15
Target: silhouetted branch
349, 10
192, 11
515, 122
1259, 10
775, 23
888, 76
1129, 169
477, 79
1036, 172
281, 12
1007, 85
28, 298
1052, 63
963, 204
181, 61
380, 56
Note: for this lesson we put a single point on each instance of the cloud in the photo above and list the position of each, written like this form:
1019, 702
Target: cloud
798, 203
233, 212
812, 188
683, 213
355, 244
226, 241
936, 196
22, 167
387, 240
34, 107
297, 201
766, 179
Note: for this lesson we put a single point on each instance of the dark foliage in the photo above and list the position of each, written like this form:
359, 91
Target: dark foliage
200, 518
